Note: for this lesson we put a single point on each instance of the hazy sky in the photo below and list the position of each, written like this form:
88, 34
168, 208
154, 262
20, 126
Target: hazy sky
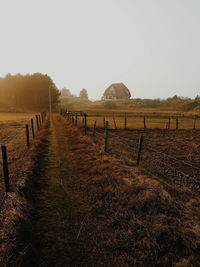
153, 46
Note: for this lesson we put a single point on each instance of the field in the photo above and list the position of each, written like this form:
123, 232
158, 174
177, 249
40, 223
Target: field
104, 207
151, 121
12, 134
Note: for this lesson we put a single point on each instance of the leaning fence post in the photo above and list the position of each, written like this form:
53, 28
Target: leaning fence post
94, 129
27, 136
85, 124
5, 168
114, 122
139, 150
32, 128
106, 137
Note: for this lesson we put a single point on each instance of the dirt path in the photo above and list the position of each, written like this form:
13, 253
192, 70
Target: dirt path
57, 211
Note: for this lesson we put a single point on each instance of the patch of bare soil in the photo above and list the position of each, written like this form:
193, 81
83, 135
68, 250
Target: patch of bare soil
92, 208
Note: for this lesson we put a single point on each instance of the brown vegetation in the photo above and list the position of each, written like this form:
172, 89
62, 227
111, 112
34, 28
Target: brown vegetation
14, 217
134, 219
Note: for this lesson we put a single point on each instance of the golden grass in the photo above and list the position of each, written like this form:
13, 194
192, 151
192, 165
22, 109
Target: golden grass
138, 122
12, 134
138, 221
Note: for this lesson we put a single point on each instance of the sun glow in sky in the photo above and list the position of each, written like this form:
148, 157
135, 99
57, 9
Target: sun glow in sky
152, 46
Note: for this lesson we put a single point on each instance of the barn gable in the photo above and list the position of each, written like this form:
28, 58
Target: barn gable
116, 91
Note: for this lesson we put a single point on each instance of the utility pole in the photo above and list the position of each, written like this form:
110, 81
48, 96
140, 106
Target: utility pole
50, 98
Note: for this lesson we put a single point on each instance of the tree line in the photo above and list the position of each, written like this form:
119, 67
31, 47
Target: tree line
28, 92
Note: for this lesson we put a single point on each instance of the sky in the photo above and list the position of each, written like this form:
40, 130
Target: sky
152, 46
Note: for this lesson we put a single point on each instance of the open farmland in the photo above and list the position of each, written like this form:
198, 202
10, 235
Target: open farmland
12, 134
138, 121
171, 154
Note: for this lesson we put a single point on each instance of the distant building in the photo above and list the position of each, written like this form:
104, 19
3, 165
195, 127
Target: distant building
116, 91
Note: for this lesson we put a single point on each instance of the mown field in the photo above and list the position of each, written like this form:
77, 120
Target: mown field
12, 134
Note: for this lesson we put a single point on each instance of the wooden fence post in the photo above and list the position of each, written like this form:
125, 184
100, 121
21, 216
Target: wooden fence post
139, 150
125, 121
94, 129
42, 119
27, 136
104, 123
76, 118
169, 122
37, 122
144, 123
176, 123
106, 137
5, 168
40, 122
32, 128
114, 122
194, 126
85, 124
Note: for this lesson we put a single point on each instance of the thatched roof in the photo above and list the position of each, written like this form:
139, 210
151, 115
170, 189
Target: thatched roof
120, 90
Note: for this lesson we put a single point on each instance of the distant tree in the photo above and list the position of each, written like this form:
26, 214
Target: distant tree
28, 92
83, 94
65, 93
197, 97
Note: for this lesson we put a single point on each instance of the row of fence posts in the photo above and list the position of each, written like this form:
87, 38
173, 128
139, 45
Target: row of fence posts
72, 117
39, 120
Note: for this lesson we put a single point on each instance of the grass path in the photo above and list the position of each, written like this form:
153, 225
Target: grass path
93, 209
57, 211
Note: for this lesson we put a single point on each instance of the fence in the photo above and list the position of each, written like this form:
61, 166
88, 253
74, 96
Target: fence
27, 135
170, 168
130, 121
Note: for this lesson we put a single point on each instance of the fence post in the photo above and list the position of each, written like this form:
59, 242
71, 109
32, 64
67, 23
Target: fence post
114, 122
5, 168
40, 120
104, 123
27, 136
106, 137
144, 123
94, 129
76, 118
169, 123
37, 122
32, 128
85, 124
194, 127
125, 121
176, 123
139, 150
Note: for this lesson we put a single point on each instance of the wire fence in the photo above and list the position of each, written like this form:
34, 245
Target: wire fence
15, 142
172, 169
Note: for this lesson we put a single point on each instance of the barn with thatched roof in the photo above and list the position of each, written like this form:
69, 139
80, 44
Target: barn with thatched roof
116, 91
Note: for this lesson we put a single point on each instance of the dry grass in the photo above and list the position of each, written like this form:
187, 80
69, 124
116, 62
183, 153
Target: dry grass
134, 220
138, 122
12, 134
14, 206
